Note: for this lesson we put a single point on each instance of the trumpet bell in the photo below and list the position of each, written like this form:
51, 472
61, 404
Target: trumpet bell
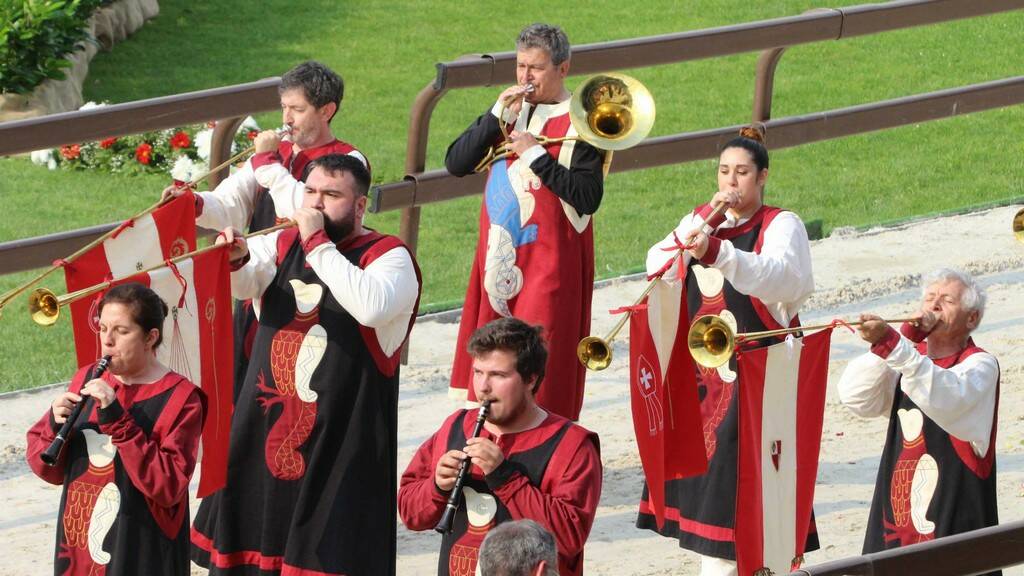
612, 111
711, 341
1018, 225
594, 353
44, 307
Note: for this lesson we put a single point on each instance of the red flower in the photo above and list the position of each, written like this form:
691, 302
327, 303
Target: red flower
180, 140
70, 152
144, 153
107, 143
251, 134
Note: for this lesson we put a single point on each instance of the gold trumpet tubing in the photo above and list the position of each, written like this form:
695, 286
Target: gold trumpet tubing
502, 151
44, 295
745, 336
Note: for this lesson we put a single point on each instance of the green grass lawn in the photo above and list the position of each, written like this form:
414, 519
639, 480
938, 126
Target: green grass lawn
386, 52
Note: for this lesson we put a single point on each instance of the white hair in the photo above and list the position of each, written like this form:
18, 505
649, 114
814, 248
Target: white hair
973, 297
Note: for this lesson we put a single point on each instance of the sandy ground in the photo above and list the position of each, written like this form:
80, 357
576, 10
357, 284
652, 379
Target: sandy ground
875, 271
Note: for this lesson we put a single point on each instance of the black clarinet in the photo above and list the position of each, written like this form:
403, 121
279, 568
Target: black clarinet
444, 526
50, 456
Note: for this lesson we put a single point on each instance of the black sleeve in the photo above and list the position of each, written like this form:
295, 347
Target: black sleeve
471, 146
582, 186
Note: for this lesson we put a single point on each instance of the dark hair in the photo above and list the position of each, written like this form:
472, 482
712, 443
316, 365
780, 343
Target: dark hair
318, 83
334, 163
515, 336
515, 548
148, 310
547, 37
751, 139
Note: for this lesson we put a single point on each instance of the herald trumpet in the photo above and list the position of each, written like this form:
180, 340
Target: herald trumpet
594, 352
609, 111
44, 306
712, 341
1018, 225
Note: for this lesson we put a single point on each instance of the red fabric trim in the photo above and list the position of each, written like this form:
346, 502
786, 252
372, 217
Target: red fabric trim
765, 215
750, 518
711, 254
705, 210
980, 466
811, 388
386, 364
265, 159
316, 239
887, 344
718, 533
913, 333
284, 242
250, 558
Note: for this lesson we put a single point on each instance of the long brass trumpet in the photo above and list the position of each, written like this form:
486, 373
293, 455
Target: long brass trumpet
609, 111
44, 306
712, 341
595, 352
12, 294
1018, 225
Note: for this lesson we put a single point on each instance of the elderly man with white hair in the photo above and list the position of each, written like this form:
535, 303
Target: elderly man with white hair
937, 475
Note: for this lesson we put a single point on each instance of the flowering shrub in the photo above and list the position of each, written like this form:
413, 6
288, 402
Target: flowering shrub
182, 152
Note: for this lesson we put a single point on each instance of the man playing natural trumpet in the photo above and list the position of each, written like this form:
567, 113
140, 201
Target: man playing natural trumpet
941, 391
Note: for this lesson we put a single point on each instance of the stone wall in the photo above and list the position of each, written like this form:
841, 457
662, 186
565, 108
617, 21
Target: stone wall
109, 25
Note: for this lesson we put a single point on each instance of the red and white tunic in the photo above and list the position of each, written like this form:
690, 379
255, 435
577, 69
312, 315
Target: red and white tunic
535, 252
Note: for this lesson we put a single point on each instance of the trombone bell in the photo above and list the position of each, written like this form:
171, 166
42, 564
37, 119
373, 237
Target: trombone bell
594, 353
612, 111
1018, 225
711, 341
44, 307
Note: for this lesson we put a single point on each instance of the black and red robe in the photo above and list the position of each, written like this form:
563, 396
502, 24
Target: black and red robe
312, 471
125, 512
964, 496
701, 510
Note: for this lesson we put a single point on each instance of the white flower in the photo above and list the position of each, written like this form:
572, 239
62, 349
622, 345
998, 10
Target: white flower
202, 141
184, 169
248, 124
44, 158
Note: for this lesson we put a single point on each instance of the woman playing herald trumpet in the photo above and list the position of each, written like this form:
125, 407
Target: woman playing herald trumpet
754, 270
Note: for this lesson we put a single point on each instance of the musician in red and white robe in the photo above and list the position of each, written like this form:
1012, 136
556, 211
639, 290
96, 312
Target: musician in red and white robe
941, 392
312, 476
268, 187
128, 460
535, 253
754, 271
527, 462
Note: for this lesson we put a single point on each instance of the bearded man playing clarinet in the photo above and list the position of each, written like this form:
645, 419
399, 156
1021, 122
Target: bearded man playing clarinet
525, 463
535, 253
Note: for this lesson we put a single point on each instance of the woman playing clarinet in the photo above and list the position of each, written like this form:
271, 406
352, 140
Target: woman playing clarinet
130, 452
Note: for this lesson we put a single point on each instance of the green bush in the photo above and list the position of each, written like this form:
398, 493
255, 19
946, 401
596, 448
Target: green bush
35, 37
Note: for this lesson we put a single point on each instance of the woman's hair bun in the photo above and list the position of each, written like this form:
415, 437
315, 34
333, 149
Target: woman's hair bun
754, 132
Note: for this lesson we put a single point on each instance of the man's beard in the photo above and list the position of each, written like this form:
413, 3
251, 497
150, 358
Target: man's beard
340, 229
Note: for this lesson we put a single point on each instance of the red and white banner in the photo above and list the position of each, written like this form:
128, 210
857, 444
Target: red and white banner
781, 406
198, 341
663, 391
136, 245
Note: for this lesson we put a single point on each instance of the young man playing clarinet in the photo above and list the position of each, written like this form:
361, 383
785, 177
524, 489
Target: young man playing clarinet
526, 463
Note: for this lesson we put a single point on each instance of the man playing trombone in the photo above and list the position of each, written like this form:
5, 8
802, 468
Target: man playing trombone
535, 253
941, 392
